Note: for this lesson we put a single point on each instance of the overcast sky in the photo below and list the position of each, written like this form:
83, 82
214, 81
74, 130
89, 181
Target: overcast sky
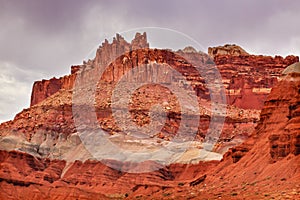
43, 38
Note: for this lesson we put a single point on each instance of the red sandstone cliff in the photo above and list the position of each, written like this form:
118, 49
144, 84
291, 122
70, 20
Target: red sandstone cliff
45, 88
265, 166
247, 78
266, 162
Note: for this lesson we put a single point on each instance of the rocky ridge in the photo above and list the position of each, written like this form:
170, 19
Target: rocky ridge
47, 128
50, 116
264, 166
227, 49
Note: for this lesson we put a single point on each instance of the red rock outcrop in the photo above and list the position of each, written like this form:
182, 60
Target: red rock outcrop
265, 166
248, 79
262, 171
265, 162
279, 122
45, 88
269, 159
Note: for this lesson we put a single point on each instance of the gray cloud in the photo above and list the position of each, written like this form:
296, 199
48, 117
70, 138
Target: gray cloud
15, 86
40, 38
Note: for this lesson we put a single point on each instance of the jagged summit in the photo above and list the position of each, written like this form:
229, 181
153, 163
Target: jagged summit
139, 40
108, 51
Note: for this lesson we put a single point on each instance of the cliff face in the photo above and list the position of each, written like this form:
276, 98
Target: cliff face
45, 88
266, 165
227, 49
269, 159
279, 124
39, 148
281, 118
248, 79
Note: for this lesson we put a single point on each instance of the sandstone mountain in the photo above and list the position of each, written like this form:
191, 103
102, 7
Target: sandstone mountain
42, 155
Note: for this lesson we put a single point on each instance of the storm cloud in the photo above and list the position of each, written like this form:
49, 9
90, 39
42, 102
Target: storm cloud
41, 39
